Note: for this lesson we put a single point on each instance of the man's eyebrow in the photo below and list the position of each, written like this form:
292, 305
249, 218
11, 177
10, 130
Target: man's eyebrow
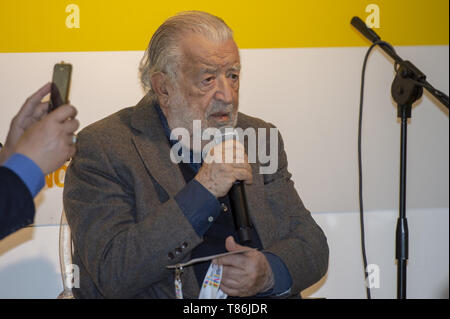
210, 69
207, 69
235, 68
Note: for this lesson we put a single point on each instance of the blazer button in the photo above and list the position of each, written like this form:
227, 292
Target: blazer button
178, 251
184, 245
224, 207
170, 256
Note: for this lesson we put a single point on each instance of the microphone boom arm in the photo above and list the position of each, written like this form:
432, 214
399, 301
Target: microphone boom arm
411, 72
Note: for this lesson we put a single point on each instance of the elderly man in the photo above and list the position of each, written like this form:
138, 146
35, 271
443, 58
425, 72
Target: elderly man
133, 211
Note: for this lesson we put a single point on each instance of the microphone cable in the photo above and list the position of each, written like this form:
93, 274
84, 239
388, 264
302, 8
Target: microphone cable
361, 206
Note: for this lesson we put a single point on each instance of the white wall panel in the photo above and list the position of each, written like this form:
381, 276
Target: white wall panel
312, 96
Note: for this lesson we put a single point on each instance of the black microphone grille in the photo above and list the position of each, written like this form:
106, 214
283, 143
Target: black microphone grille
361, 26
357, 23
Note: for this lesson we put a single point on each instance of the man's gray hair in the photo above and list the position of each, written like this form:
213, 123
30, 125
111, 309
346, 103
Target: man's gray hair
163, 54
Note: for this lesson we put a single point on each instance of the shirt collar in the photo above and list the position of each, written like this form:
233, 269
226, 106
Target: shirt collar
164, 123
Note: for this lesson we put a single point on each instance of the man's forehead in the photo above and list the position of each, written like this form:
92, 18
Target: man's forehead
207, 67
207, 53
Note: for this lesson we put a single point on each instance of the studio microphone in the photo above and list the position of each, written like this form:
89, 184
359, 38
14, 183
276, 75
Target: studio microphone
373, 37
238, 199
364, 30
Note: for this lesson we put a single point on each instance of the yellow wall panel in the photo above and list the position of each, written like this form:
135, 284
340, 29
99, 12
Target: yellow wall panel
106, 25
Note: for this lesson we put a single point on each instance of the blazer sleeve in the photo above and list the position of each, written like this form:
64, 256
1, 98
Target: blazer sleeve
122, 255
304, 248
16, 203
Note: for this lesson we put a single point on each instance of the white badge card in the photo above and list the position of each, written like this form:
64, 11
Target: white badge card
210, 288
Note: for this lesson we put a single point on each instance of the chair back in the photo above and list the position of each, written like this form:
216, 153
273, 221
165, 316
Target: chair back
68, 273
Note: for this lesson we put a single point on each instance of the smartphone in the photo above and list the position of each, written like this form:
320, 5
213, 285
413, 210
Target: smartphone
59, 93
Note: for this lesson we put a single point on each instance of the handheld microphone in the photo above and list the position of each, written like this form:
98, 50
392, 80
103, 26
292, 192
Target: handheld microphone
238, 200
239, 208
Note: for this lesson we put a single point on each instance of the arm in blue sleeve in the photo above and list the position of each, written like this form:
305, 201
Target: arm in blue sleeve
199, 206
28, 171
282, 277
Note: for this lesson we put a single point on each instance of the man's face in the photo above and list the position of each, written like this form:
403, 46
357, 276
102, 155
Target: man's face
207, 85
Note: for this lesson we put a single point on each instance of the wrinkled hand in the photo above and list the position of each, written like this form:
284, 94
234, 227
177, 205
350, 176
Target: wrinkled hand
244, 274
226, 163
32, 111
49, 142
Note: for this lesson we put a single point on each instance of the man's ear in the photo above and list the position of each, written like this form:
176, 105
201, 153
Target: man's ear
159, 86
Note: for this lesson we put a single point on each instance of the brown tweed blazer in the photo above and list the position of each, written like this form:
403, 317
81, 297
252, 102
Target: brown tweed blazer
119, 201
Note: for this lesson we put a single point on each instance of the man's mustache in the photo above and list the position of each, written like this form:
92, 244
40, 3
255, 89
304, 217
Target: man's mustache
218, 107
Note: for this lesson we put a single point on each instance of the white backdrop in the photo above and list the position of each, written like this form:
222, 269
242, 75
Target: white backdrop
312, 96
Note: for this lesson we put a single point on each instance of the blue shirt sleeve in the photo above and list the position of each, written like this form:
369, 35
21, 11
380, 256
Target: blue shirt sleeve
282, 277
199, 206
28, 171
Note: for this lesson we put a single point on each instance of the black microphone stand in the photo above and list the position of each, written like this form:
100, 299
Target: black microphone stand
404, 92
406, 89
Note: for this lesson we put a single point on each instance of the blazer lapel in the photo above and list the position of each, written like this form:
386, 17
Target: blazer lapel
154, 149
260, 214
